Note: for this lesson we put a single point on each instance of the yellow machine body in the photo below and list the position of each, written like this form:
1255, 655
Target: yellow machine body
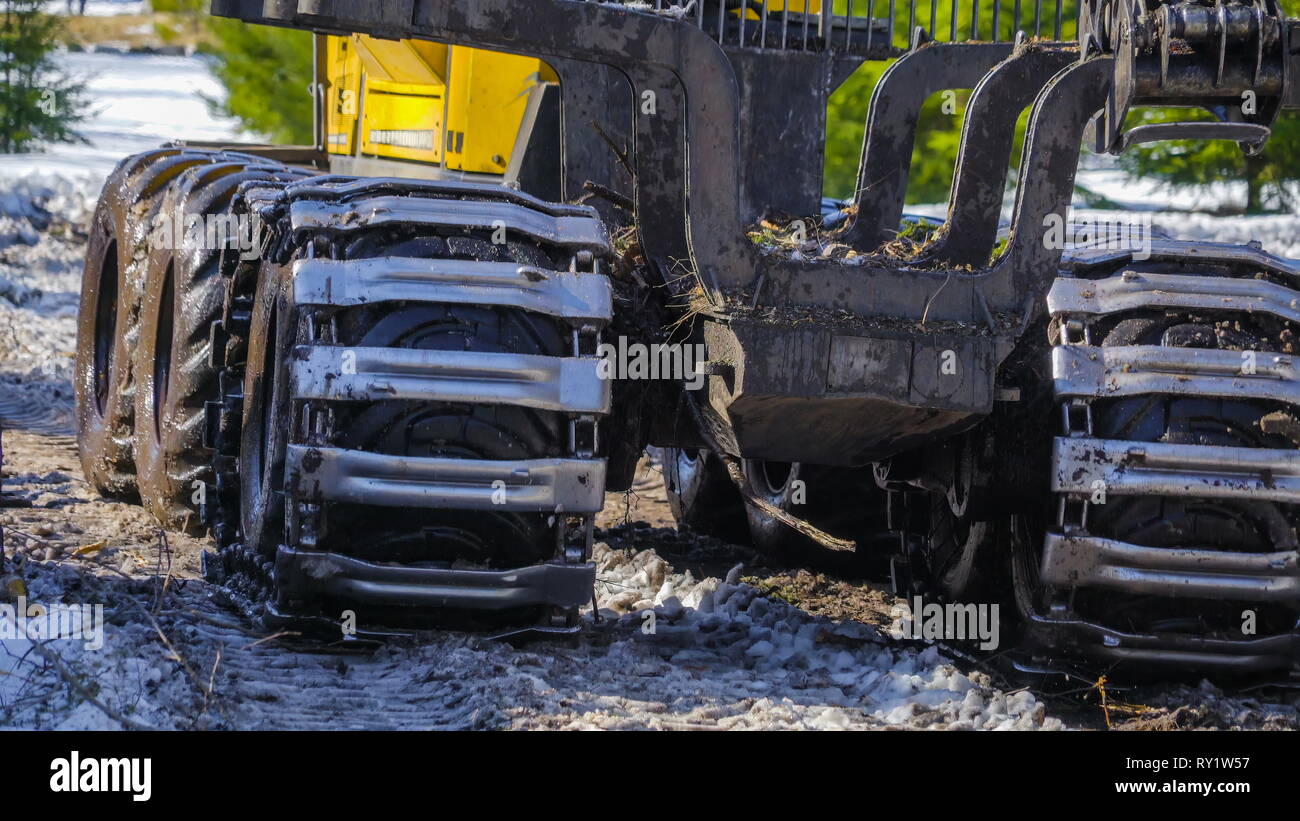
454, 110
460, 109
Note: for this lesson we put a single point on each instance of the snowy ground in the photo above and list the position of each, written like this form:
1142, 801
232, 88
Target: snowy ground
97, 8
722, 654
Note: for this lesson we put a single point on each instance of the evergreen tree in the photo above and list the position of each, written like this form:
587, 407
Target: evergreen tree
37, 103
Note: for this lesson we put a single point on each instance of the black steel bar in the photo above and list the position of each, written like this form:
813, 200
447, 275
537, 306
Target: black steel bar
983, 158
871, 22
1053, 141
891, 129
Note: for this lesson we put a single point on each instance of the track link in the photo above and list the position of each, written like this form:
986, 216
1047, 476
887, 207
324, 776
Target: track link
1176, 474
409, 405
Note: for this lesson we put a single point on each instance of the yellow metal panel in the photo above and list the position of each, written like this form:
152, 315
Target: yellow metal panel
486, 101
797, 6
344, 102
397, 94
396, 61
402, 126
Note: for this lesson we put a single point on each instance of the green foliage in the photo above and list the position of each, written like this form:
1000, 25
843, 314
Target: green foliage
185, 14
189, 8
267, 72
37, 103
1195, 164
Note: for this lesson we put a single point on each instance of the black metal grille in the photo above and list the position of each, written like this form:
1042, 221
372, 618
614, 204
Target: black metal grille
863, 26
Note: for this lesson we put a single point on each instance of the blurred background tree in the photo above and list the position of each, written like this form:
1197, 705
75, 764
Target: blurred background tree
182, 17
267, 72
37, 102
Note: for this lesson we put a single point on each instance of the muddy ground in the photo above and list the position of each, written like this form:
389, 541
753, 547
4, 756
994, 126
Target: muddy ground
178, 656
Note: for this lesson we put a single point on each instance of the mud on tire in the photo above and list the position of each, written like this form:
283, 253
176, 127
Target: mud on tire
109, 315
1174, 535
183, 295
327, 295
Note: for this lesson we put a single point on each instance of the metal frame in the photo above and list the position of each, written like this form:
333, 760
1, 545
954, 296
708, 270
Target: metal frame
698, 132
303, 573
1071, 560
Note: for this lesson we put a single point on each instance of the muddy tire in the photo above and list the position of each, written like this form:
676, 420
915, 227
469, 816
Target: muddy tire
184, 294
1237, 525
108, 319
387, 424
481, 538
702, 496
1164, 470
265, 426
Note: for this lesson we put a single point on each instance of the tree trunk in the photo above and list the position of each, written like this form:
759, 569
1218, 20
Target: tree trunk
1254, 186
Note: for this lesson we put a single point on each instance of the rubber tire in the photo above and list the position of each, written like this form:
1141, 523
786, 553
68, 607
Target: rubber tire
492, 539
702, 496
397, 427
1239, 525
968, 573
265, 424
843, 502
965, 565
1171, 521
104, 382
184, 294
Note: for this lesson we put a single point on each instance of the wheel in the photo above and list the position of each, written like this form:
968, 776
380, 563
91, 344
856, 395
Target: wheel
184, 294
108, 317
416, 425
1240, 525
702, 496
961, 548
843, 502
1170, 527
